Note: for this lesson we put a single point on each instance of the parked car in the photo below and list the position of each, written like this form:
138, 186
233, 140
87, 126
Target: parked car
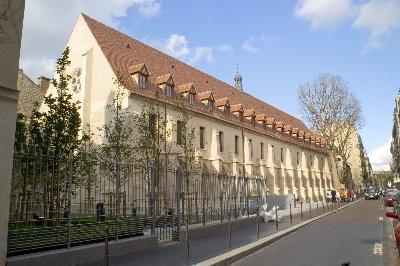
390, 196
395, 214
371, 193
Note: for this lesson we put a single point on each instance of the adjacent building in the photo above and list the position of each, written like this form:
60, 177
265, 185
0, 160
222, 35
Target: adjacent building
395, 146
236, 133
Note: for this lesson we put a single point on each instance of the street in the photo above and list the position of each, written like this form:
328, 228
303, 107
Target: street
359, 234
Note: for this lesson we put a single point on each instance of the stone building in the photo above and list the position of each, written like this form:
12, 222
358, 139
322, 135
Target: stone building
235, 132
395, 145
30, 93
358, 161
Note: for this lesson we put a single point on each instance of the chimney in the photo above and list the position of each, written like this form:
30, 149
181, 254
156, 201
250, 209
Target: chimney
43, 82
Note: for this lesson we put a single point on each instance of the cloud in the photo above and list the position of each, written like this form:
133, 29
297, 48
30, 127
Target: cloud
177, 45
48, 23
381, 157
326, 13
270, 39
226, 48
247, 46
378, 17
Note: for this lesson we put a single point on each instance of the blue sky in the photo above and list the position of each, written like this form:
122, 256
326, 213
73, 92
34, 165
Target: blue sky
277, 45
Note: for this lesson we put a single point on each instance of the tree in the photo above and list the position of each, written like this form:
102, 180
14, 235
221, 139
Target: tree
332, 111
117, 147
151, 147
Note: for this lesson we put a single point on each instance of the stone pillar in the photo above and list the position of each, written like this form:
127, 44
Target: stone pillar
10, 42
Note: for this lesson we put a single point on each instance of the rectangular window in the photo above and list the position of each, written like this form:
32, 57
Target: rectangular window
190, 98
236, 144
202, 132
251, 148
142, 81
273, 153
152, 124
262, 150
298, 159
210, 105
281, 155
221, 141
168, 91
179, 132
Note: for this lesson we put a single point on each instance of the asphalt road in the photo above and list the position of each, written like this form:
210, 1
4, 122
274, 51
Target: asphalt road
174, 253
359, 234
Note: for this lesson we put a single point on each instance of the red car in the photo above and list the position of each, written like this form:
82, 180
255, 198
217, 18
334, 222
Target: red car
389, 201
397, 229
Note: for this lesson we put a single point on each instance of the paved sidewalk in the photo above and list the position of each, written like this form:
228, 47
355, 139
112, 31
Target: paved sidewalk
174, 253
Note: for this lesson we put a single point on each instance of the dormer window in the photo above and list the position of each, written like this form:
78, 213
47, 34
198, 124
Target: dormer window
142, 81
210, 105
237, 110
207, 98
166, 82
139, 74
168, 91
187, 91
223, 105
190, 98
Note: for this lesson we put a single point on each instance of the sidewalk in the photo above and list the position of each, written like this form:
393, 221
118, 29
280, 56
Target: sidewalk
174, 253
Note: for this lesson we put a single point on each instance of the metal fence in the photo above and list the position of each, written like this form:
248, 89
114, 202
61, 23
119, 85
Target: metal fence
63, 201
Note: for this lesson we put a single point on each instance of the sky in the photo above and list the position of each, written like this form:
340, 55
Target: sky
275, 45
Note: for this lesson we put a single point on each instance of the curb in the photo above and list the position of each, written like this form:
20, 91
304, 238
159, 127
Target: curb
243, 251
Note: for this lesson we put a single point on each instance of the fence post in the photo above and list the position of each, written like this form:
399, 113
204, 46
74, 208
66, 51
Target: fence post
70, 164
258, 216
178, 174
301, 210
230, 230
106, 250
276, 219
309, 205
118, 195
187, 243
153, 199
203, 197
290, 213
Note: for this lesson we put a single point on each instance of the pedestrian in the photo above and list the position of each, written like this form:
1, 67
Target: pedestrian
333, 195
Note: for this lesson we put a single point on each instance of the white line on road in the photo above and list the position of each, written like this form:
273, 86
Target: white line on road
380, 218
378, 249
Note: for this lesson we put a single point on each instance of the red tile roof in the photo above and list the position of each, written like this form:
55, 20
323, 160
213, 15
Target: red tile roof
114, 45
186, 88
207, 95
237, 108
122, 52
249, 112
222, 102
164, 79
261, 117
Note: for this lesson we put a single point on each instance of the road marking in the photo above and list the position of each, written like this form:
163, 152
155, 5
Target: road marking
380, 218
378, 249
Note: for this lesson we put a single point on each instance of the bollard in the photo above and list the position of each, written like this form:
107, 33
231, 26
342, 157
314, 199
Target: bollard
301, 210
323, 208
290, 213
309, 204
276, 219
106, 257
317, 209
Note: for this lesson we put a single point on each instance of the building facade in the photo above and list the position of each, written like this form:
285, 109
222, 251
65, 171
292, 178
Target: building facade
395, 145
236, 133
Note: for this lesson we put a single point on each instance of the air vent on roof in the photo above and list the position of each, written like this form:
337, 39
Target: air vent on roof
128, 46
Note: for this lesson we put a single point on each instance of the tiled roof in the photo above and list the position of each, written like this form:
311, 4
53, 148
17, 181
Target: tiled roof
136, 68
164, 79
261, 117
249, 112
222, 102
122, 52
207, 95
236, 107
186, 88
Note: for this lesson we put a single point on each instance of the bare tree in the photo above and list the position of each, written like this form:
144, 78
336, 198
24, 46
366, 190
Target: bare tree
332, 111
